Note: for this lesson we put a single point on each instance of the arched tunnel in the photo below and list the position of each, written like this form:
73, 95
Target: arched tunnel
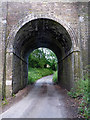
45, 33
61, 27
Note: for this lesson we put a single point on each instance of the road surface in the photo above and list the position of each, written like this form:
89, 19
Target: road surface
45, 100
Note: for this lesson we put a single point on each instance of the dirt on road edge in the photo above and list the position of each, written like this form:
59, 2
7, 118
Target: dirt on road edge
16, 98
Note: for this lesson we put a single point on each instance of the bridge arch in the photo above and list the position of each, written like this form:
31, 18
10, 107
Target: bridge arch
33, 16
35, 32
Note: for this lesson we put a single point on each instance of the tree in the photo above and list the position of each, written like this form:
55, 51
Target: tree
52, 59
42, 57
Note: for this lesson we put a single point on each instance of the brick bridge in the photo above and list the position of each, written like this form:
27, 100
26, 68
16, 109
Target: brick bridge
59, 26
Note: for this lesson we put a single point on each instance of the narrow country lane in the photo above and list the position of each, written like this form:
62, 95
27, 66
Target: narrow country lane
45, 100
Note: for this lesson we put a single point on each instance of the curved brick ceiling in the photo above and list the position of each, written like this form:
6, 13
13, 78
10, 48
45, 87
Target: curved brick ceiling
42, 33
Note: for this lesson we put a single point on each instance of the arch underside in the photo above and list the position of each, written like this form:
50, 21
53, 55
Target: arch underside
42, 33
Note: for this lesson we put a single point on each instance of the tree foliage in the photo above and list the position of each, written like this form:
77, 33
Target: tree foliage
41, 58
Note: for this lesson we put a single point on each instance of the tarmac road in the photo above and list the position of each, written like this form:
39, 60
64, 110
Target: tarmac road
45, 100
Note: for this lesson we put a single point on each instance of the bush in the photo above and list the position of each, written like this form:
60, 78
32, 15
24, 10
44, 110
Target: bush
55, 77
81, 93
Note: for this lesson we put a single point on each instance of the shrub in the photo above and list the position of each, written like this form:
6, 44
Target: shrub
81, 93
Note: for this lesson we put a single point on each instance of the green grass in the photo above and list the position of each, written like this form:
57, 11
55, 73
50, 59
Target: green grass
55, 79
81, 93
4, 102
37, 73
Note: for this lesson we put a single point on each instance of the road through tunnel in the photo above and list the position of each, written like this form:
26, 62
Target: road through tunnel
45, 33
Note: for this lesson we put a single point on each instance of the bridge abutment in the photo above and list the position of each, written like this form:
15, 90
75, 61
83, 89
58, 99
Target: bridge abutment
70, 70
16, 73
9, 58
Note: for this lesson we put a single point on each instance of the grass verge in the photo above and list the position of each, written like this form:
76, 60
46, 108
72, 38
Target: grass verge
55, 76
37, 73
81, 93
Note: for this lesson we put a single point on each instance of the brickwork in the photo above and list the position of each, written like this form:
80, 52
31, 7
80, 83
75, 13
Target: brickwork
69, 19
1, 68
